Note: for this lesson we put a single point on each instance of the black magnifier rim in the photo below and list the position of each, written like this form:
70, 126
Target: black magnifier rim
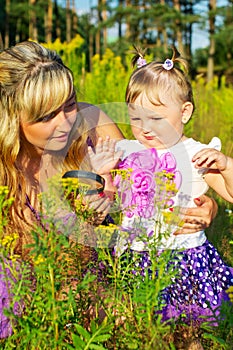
80, 174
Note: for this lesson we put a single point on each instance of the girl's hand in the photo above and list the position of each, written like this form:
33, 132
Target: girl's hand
104, 158
210, 158
200, 217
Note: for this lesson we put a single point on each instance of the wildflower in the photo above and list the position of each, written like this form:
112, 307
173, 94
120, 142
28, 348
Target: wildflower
6, 282
8, 240
8, 244
105, 234
39, 260
230, 293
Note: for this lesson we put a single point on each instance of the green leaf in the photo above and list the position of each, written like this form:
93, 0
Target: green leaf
82, 331
215, 339
78, 342
97, 347
103, 337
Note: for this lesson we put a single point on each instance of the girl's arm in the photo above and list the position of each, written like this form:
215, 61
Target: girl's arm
219, 171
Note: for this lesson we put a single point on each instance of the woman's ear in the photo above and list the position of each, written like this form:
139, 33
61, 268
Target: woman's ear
187, 110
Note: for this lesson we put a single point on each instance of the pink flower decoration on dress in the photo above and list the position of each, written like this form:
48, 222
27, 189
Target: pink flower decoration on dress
143, 180
138, 197
168, 162
146, 159
177, 179
144, 204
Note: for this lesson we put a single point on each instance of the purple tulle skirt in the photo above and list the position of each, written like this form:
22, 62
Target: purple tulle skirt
200, 286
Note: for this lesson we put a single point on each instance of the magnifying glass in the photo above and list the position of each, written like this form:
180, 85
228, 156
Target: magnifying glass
94, 182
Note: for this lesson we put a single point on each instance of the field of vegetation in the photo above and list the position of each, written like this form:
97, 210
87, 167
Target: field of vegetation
59, 305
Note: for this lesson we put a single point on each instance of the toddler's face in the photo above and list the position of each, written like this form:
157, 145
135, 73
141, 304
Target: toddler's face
158, 126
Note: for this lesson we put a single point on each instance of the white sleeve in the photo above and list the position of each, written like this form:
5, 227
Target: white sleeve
215, 143
128, 147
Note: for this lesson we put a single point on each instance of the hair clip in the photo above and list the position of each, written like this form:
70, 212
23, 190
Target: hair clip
168, 64
140, 62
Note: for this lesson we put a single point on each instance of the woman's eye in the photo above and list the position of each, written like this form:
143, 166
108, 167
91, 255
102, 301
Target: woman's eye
48, 117
67, 108
134, 118
70, 106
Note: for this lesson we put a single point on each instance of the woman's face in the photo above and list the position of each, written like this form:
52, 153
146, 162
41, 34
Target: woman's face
52, 131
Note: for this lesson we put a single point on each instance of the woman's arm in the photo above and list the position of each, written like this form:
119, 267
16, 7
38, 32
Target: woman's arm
200, 217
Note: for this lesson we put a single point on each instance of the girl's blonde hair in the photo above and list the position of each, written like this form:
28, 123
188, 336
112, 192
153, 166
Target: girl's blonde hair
156, 81
33, 83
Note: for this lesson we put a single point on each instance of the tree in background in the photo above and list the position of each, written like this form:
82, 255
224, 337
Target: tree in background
211, 53
156, 24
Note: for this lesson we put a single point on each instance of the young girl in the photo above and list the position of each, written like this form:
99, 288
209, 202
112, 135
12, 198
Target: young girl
160, 102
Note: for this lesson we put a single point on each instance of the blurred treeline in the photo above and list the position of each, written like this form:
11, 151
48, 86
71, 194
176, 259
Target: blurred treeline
153, 24
101, 67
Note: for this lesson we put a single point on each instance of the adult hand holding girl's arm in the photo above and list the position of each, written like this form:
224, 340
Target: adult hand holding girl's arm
199, 217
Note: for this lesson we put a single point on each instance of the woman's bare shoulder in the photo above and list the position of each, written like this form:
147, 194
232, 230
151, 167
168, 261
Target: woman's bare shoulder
98, 119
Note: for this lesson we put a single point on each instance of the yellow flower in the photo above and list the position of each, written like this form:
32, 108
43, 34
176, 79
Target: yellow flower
39, 259
9, 240
104, 234
230, 293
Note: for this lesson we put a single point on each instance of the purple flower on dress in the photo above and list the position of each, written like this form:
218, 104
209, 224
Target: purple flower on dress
143, 204
146, 159
139, 193
168, 162
143, 180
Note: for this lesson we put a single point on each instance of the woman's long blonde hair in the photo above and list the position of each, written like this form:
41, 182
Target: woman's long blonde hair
31, 76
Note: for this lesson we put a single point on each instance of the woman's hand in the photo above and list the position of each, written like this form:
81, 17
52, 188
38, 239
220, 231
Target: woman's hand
100, 204
200, 217
93, 211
